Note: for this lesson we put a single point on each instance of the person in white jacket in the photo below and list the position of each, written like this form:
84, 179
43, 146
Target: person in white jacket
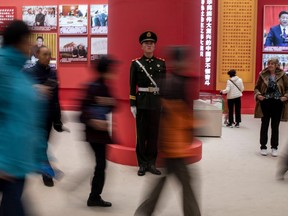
234, 89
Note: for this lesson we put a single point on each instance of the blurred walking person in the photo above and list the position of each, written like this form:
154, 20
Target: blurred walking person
46, 81
20, 113
98, 102
175, 135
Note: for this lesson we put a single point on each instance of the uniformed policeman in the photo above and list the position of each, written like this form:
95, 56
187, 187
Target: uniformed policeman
146, 73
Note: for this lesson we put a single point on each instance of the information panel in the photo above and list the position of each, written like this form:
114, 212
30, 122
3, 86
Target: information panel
236, 41
7, 14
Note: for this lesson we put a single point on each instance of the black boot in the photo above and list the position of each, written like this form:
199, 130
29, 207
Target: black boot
98, 202
48, 181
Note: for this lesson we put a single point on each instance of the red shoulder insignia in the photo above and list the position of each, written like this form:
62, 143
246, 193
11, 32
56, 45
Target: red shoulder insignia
160, 59
136, 59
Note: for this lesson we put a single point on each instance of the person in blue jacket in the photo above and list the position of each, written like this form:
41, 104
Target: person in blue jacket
20, 115
278, 35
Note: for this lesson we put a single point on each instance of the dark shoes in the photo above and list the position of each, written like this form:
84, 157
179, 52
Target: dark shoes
237, 125
141, 171
48, 181
229, 125
153, 170
98, 202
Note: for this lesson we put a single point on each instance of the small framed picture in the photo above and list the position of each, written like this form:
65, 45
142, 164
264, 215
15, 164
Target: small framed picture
73, 49
98, 47
99, 19
73, 19
40, 18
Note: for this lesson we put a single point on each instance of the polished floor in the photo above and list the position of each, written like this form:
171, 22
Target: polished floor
232, 179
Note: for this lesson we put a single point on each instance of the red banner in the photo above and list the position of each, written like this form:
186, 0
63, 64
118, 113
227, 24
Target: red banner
207, 44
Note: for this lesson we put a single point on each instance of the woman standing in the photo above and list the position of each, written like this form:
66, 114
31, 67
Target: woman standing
271, 93
234, 89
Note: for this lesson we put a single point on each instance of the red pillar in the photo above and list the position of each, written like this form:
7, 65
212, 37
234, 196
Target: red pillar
176, 22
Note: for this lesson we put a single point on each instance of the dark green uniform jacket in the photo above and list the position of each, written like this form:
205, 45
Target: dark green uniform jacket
157, 69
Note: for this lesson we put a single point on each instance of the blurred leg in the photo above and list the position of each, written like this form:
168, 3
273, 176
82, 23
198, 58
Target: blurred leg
178, 167
99, 172
148, 206
11, 204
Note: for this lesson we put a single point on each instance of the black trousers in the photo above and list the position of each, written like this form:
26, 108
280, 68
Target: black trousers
272, 109
99, 172
11, 204
234, 103
147, 123
177, 167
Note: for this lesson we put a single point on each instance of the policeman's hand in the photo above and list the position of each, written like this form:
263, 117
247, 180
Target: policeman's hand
133, 111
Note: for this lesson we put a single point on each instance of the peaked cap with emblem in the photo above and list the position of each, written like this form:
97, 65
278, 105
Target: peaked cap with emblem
148, 36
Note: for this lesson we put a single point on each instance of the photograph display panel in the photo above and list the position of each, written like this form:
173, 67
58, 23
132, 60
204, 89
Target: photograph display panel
283, 60
42, 39
73, 19
99, 19
73, 49
40, 18
275, 29
98, 47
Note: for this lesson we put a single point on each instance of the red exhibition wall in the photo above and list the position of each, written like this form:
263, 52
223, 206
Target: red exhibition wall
176, 22
71, 75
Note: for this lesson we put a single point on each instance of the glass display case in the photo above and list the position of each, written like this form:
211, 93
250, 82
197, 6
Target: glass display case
208, 113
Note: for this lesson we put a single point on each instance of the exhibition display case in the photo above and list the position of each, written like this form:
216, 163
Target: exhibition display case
208, 110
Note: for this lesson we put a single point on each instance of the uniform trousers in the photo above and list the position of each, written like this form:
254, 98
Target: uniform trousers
99, 171
272, 109
177, 167
147, 123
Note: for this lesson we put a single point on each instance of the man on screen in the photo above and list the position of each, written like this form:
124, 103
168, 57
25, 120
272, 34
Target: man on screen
278, 35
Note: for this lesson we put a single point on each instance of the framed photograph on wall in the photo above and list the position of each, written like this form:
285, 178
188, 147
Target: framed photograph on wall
7, 14
99, 19
283, 60
40, 18
275, 29
73, 19
98, 47
42, 39
73, 49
